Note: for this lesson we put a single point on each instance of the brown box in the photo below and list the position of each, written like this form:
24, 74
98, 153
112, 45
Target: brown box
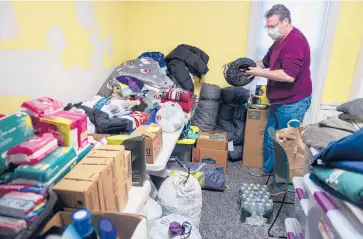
212, 145
253, 140
88, 186
116, 153
153, 140
212, 140
126, 225
128, 169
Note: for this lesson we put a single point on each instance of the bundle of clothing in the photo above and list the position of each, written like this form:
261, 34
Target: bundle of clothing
338, 168
185, 62
206, 113
319, 135
232, 118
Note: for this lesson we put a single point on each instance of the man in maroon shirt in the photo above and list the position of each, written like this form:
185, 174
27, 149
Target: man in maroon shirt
289, 85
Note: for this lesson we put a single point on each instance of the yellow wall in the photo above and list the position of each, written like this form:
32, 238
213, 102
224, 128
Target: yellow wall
218, 28
344, 55
69, 65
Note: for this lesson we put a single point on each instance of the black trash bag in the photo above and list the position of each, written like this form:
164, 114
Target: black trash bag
236, 154
234, 72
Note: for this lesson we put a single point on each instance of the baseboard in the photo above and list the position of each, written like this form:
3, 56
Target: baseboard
328, 109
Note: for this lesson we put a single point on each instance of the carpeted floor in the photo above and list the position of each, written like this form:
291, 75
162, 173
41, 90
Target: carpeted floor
220, 215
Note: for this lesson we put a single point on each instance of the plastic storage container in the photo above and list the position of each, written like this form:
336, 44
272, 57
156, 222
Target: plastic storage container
184, 147
325, 218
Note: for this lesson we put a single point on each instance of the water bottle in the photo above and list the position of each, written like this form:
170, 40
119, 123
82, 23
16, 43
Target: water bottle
260, 209
244, 212
253, 208
269, 209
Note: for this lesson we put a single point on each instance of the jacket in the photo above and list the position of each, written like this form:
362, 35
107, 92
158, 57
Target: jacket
184, 59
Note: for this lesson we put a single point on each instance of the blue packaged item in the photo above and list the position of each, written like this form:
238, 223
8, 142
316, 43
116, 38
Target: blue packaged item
17, 208
106, 230
46, 169
83, 224
14, 129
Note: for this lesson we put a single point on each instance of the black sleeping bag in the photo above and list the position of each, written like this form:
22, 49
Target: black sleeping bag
236, 154
234, 72
235, 95
205, 116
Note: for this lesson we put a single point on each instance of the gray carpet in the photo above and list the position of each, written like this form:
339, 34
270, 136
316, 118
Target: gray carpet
220, 215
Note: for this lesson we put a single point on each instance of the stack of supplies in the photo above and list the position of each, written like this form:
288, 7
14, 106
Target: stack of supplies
42, 106
338, 168
48, 171
20, 206
33, 150
14, 129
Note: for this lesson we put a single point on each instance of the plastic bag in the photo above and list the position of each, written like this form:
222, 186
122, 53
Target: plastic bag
170, 117
152, 211
181, 194
160, 228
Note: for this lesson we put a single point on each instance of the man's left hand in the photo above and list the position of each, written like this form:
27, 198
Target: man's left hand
254, 71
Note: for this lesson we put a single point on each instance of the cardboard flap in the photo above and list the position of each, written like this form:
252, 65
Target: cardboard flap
109, 147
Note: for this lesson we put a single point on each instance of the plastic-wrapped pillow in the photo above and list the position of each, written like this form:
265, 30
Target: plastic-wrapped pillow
170, 117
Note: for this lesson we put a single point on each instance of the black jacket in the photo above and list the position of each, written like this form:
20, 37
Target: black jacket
184, 59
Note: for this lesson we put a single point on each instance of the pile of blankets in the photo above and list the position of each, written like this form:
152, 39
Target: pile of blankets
338, 167
137, 88
223, 110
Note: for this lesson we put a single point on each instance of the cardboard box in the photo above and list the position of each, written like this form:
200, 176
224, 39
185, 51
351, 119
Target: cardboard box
128, 169
88, 186
253, 140
153, 140
212, 147
116, 154
127, 226
212, 140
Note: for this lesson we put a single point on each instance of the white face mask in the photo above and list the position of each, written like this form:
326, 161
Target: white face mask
274, 33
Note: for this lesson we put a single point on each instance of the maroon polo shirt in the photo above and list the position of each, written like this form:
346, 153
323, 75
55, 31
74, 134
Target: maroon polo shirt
292, 55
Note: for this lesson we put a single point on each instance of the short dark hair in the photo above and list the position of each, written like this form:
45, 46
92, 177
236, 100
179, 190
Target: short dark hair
280, 10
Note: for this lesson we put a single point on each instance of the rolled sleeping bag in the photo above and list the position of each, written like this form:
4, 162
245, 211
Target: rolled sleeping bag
234, 71
205, 116
210, 92
235, 95
236, 154
225, 112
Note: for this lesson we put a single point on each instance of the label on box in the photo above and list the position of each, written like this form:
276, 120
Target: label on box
216, 137
254, 115
203, 136
230, 146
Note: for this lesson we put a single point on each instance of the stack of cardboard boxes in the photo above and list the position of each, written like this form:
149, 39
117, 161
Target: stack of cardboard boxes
212, 147
100, 182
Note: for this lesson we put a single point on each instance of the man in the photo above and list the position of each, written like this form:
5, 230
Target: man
289, 85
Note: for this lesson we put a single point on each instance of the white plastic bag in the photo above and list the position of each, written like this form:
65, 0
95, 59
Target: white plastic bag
170, 117
152, 211
181, 194
160, 228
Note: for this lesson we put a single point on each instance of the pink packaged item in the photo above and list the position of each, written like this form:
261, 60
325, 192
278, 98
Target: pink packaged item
70, 128
81, 125
33, 150
42, 106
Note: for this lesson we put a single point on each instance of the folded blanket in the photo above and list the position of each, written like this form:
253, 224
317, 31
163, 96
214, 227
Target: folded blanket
348, 148
349, 184
321, 134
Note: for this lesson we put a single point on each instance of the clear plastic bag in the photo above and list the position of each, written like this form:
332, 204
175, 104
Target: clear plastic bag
170, 117
152, 211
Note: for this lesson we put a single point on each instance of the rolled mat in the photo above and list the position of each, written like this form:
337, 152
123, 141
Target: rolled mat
234, 72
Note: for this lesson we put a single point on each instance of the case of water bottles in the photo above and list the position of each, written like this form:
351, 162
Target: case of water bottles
255, 204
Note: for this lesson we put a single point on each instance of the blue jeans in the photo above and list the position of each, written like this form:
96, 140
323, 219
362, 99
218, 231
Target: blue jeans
278, 116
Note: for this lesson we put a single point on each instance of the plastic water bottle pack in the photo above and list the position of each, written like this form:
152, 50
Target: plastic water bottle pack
255, 204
